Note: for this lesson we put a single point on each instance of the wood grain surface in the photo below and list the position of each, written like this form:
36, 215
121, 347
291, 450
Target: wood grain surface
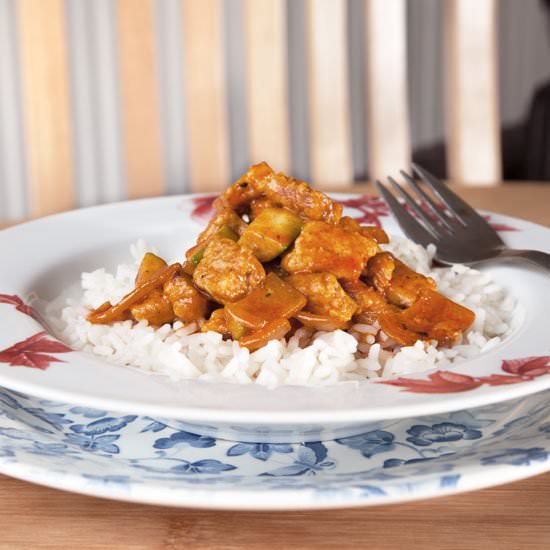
511, 517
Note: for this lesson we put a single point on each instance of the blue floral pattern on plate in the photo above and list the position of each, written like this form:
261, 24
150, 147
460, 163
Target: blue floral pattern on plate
149, 460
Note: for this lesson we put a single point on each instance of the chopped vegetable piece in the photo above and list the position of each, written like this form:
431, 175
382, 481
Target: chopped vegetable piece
320, 322
325, 296
399, 283
224, 220
235, 327
379, 270
216, 323
299, 197
247, 188
156, 309
406, 285
257, 206
271, 233
149, 266
187, 302
377, 234
274, 330
276, 299
228, 271
432, 317
350, 224
392, 325
370, 303
188, 267
195, 253
438, 317
322, 247
227, 233
123, 315
119, 312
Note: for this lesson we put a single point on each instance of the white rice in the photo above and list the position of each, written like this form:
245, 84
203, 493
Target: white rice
322, 358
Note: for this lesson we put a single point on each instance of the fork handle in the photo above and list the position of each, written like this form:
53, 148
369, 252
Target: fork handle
542, 259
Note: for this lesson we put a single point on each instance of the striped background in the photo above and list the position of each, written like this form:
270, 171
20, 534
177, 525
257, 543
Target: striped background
98, 39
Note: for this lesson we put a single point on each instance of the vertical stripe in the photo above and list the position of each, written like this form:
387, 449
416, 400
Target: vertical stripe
298, 84
266, 79
170, 62
138, 87
425, 57
356, 52
523, 51
96, 108
474, 140
329, 93
85, 154
46, 105
13, 200
386, 70
234, 58
205, 94
107, 108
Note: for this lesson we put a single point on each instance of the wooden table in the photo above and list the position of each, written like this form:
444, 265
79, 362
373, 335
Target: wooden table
514, 516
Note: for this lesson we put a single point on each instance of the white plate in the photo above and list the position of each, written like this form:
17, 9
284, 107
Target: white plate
41, 258
142, 460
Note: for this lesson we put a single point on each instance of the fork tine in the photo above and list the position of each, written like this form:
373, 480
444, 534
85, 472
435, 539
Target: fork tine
462, 210
410, 226
441, 216
430, 225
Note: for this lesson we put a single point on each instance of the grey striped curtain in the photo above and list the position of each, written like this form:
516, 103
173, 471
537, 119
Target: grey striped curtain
95, 96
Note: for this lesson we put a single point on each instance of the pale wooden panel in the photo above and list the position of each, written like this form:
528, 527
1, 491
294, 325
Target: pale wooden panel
330, 133
205, 94
266, 79
46, 105
139, 97
473, 150
386, 87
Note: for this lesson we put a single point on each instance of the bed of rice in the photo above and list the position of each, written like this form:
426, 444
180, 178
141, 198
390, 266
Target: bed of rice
322, 358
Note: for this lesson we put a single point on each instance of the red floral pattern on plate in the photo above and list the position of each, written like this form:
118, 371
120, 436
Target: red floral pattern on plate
34, 352
500, 226
370, 208
20, 305
202, 208
519, 370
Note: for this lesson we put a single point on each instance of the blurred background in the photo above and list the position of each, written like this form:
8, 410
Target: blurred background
107, 99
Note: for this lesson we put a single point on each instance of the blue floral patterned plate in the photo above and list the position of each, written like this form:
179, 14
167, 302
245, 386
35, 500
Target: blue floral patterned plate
137, 458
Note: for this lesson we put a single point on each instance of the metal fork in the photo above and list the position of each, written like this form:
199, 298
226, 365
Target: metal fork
460, 234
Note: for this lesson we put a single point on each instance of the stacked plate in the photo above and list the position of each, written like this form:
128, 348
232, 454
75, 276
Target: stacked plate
73, 421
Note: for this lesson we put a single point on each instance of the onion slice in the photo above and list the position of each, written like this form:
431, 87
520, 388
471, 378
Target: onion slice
320, 322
